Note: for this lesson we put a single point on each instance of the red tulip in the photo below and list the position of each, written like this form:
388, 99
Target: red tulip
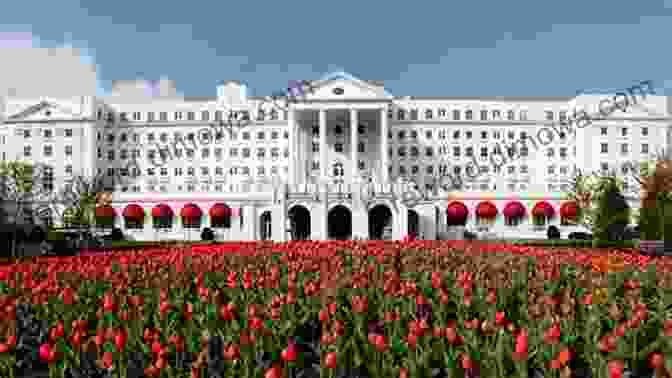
500, 317
108, 303
467, 362
330, 360
151, 371
290, 353
108, 360
45, 352
656, 360
120, 340
274, 372
403, 373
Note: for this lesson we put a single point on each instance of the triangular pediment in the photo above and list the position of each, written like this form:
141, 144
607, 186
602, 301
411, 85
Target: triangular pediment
341, 85
43, 110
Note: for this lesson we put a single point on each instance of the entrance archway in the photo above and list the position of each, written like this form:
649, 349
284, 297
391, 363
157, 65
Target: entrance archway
380, 223
413, 223
299, 218
340, 223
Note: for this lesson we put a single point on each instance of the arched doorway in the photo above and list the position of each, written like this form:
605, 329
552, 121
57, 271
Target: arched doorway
299, 218
340, 223
413, 223
265, 223
380, 223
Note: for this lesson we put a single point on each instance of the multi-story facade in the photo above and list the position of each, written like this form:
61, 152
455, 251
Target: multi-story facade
329, 165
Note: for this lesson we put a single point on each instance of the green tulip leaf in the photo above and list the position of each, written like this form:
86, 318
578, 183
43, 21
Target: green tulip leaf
211, 311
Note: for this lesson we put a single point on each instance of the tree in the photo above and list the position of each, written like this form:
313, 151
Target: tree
587, 190
612, 214
655, 179
22, 187
78, 199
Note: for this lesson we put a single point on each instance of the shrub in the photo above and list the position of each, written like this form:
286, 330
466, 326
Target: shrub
207, 234
553, 232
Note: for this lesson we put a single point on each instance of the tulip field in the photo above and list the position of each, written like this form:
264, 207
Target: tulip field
339, 309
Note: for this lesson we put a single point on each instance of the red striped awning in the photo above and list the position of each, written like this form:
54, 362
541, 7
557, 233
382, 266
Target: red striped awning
191, 211
162, 211
514, 209
457, 211
543, 209
105, 212
569, 210
486, 209
220, 210
134, 211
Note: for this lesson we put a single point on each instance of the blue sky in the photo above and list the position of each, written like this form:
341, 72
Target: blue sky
419, 48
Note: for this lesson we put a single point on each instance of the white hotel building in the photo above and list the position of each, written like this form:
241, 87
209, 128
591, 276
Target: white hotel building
329, 167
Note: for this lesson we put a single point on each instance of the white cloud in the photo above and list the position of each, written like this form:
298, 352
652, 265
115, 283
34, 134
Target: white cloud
31, 67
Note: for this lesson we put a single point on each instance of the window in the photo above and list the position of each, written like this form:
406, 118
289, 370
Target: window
604, 166
205, 115
205, 171
414, 151
604, 148
429, 151
400, 114
151, 172
191, 171
178, 171
496, 114
68, 169
456, 134
205, 153
563, 152
26, 134
401, 151
469, 134
136, 116
645, 131
484, 151
470, 151
523, 115
246, 152
163, 116
261, 153
48, 151
428, 134
549, 115
551, 170
645, 148
513, 221
456, 151
360, 147
428, 114
316, 147
624, 149
163, 171
456, 115
414, 114
510, 115
468, 115
190, 116
624, 131
150, 116
260, 135
511, 134
484, 135
246, 135
562, 116
361, 129
48, 179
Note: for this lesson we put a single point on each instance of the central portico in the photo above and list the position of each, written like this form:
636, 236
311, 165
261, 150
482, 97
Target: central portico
339, 138
342, 111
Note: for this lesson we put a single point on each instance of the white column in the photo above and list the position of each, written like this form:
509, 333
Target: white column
384, 175
323, 145
354, 144
292, 147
